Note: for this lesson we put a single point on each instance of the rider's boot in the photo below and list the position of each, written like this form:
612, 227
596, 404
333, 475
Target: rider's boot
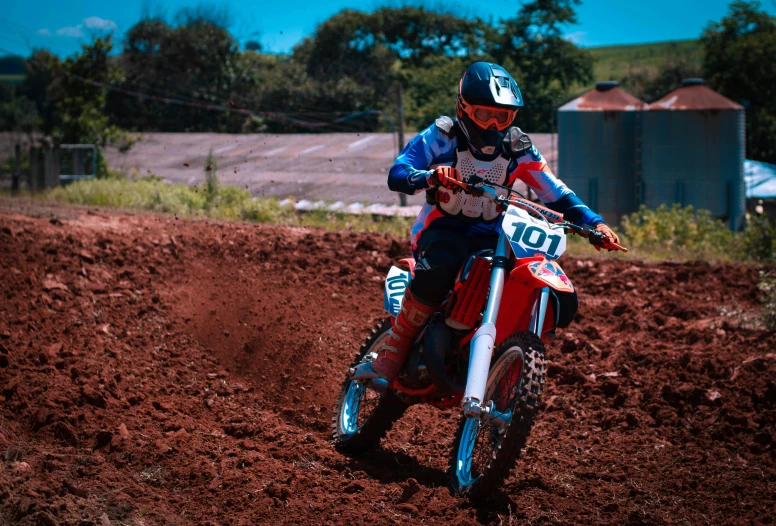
391, 355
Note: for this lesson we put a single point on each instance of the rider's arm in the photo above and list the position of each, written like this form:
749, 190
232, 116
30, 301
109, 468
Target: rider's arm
409, 174
533, 170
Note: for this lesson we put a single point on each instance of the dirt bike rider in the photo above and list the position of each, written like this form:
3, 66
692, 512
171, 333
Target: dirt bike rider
451, 225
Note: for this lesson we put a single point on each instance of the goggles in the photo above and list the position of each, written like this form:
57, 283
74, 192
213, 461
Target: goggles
487, 116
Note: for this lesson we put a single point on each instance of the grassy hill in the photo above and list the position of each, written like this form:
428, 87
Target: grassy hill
614, 62
12, 69
12, 78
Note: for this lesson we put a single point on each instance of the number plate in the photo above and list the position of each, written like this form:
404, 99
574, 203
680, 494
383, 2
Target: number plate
395, 286
530, 236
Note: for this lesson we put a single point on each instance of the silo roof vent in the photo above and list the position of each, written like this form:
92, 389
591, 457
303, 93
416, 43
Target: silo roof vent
606, 85
692, 82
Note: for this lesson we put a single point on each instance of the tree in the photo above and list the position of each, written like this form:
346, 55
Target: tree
17, 113
196, 61
354, 61
651, 87
531, 46
12, 65
253, 45
432, 88
77, 93
739, 62
41, 67
358, 59
362, 45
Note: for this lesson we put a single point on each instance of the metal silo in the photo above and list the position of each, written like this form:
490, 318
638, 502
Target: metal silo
599, 149
694, 149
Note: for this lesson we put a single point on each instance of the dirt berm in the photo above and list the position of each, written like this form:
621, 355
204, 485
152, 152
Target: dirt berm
156, 371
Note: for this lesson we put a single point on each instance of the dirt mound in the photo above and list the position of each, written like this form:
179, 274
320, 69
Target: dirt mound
155, 371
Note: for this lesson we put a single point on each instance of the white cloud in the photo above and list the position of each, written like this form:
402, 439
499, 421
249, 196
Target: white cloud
43, 32
95, 22
577, 37
70, 31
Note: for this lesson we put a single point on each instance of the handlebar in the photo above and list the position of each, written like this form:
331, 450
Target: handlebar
599, 240
596, 238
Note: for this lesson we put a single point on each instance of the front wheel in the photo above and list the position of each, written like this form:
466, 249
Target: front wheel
362, 416
484, 451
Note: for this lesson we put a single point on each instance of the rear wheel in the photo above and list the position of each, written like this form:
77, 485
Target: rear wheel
362, 416
485, 451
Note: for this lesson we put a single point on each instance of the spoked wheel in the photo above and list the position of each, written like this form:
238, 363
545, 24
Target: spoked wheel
362, 416
484, 451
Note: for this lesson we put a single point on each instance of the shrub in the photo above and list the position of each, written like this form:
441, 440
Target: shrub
266, 210
215, 201
767, 287
211, 176
685, 233
758, 240
145, 194
678, 232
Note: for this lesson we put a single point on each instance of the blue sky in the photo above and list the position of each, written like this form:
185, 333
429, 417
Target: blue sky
279, 24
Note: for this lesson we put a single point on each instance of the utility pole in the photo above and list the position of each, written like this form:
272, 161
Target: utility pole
400, 129
17, 150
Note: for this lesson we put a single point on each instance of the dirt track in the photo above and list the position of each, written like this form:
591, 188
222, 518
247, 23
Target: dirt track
155, 371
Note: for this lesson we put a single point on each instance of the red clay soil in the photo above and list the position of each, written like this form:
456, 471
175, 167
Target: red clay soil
155, 371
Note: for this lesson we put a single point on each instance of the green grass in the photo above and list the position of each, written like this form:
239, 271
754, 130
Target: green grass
213, 201
12, 78
686, 234
664, 233
614, 62
683, 234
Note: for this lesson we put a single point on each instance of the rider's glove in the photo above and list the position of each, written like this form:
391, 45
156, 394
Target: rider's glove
609, 235
443, 175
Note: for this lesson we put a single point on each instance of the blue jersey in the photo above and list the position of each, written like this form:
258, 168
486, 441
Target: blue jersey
436, 146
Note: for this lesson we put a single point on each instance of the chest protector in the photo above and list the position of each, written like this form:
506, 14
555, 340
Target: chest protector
469, 207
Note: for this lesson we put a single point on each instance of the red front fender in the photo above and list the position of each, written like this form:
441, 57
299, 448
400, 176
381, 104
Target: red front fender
521, 290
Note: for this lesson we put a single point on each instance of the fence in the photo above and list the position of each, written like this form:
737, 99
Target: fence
45, 166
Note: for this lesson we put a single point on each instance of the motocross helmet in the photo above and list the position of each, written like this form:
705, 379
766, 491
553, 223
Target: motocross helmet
488, 100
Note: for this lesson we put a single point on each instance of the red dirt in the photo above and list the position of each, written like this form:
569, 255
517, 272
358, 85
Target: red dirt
155, 371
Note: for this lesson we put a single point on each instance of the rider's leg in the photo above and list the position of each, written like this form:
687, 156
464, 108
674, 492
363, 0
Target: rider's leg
440, 255
409, 323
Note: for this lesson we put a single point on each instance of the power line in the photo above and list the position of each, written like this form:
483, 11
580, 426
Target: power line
214, 107
152, 88
148, 86
167, 96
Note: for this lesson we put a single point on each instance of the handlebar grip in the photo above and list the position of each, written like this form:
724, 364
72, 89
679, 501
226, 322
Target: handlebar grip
596, 238
599, 241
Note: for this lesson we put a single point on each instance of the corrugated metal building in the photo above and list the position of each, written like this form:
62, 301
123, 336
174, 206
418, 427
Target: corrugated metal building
599, 152
694, 147
760, 182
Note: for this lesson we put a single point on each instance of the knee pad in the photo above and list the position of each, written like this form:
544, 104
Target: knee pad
431, 285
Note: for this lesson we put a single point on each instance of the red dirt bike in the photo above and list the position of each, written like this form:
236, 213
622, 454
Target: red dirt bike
483, 349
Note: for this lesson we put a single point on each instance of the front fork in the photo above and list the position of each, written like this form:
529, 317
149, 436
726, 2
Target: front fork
485, 337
